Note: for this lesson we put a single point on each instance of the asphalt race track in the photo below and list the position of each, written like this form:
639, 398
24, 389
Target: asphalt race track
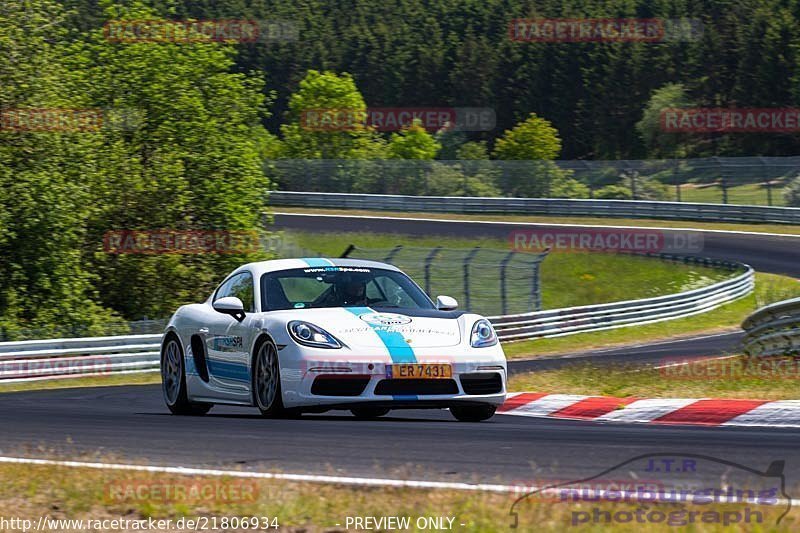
765, 253
131, 422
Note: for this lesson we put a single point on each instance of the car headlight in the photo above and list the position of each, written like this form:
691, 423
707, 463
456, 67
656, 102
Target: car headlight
308, 334
483, 334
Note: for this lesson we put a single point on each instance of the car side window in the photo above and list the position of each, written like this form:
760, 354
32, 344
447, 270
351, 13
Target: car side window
240, 286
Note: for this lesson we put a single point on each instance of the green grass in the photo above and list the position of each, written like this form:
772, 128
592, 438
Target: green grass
748, 194
783, 229
94, 381
567, 279
769, 288
30, 492
736, 377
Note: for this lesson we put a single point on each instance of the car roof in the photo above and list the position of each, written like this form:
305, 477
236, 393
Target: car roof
274, 265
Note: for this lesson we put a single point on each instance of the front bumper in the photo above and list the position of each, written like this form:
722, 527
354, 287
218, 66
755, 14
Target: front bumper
320, 378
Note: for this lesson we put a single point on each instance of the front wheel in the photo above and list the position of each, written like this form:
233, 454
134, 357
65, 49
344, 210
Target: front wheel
267, 381
173, 381
473, 413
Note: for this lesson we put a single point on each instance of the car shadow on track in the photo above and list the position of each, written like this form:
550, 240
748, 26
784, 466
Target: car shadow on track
309, 417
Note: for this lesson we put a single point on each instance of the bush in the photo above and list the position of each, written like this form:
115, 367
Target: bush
613, 192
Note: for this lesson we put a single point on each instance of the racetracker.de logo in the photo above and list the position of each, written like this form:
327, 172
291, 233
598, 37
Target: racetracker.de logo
609, 30
182, 491
199, 31
729, 368
57, 366
732, 120
180, 242
609, 240
397, 118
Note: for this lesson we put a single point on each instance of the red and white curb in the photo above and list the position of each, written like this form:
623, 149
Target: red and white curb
669, 411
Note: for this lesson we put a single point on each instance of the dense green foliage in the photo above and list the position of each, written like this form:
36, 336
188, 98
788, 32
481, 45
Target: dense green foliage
184, 153
194, 134
458, 53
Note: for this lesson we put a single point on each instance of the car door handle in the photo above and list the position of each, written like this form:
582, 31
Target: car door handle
203, 330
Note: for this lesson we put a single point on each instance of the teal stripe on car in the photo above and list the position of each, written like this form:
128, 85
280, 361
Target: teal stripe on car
228, 370
399, 350
317, 262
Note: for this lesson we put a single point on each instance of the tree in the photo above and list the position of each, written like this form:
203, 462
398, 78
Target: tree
533, 139
413, 142
327, 120
659, 142
45, 286
192, 160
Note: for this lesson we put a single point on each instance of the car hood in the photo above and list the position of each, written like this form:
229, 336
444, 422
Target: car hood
364, 327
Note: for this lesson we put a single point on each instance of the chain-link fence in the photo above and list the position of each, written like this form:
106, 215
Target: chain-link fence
484, 281
734, 180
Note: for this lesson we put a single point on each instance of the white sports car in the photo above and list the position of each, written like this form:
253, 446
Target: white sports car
310, 335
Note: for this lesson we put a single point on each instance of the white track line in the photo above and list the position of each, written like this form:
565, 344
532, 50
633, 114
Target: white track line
520, 490
310, 478
546, 224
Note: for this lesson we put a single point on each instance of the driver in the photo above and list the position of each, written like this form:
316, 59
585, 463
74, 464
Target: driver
353, 292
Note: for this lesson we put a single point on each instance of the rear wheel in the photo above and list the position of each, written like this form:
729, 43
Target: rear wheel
267, 381
173, 380
368, 413
473, 413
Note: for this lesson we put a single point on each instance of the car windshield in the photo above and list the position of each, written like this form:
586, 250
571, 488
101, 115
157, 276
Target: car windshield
303, 288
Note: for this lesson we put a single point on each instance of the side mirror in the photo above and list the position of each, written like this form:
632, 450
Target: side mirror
446, 303
230, 305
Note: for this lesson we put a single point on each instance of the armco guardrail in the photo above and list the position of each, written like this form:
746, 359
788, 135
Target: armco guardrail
62, 358
47, 359
539, 206
773, 330
558, 322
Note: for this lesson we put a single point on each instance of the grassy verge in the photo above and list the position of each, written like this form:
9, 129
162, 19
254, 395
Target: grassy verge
595, 221
74, 493
567, 279
769, 288
747, 194
93, 381
733, 377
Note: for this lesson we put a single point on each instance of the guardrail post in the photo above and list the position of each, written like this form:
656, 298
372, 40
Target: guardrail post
675, 178
431, 256
768, 181
467, 260
503, 264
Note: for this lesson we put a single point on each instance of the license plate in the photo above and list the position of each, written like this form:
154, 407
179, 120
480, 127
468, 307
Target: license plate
419, 371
